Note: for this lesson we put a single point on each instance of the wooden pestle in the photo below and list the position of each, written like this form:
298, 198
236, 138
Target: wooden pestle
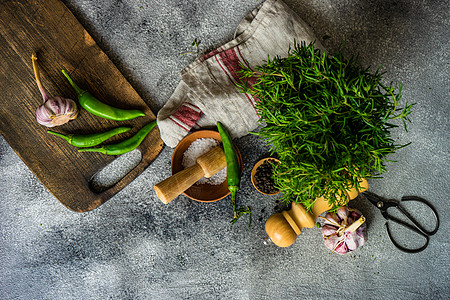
207, 165
283, 228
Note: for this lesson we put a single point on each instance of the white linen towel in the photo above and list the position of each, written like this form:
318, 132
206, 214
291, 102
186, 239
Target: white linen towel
207, 92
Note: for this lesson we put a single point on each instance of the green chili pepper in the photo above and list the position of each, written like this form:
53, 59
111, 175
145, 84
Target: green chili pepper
125, 146
90, 140
98, 108
233, 171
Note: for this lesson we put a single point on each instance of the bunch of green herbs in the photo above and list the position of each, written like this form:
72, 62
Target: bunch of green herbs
327, 119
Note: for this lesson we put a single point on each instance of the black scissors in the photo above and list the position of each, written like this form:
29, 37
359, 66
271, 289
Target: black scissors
384, 204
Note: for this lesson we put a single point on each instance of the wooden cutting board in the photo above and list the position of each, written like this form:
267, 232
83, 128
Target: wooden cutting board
48, 27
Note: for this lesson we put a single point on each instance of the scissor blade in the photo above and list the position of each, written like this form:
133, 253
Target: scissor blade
374, 199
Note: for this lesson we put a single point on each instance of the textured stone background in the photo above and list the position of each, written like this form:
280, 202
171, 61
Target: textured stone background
134, 247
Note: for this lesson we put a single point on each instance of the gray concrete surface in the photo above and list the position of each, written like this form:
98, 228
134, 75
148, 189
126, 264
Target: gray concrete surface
134, 247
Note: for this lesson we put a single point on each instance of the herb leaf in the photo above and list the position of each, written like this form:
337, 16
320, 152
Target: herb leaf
327, 118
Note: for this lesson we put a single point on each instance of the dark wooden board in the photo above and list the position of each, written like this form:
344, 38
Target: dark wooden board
48, 27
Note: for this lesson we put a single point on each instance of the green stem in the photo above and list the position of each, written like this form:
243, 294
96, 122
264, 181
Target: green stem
73, 84
100, 149
68, 138
233, 190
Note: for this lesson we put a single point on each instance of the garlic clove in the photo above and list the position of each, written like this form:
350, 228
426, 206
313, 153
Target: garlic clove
361, 235
351, 241
342, 248
331, 242
332, 218
343, 214
328, 229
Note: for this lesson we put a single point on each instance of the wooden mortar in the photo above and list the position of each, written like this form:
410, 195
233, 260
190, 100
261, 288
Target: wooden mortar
207, 165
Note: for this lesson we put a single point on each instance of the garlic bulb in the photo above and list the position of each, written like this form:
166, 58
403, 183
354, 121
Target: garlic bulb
54, 111
344, 231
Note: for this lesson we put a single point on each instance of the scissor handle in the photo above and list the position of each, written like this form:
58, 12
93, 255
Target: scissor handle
420, 227
404, 249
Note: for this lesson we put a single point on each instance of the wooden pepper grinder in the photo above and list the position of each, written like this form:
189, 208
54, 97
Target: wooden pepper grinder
283, 228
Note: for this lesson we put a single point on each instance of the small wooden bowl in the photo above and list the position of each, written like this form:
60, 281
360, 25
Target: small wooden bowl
259, 163
201, 192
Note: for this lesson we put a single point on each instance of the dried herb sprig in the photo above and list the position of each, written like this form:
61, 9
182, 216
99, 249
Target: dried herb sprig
327, 118
195, 44
242, 211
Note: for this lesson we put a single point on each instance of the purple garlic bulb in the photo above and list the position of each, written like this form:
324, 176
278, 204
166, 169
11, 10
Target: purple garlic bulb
56, 110
344, 231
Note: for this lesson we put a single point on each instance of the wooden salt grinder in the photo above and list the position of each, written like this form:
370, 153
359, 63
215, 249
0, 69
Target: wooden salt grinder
207, 165
283, 228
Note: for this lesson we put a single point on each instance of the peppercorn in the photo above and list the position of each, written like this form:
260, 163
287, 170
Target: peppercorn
263, 178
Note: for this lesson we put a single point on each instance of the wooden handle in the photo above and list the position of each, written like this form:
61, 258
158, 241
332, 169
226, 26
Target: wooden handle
212, 161
172, 187
207, 165
283, 228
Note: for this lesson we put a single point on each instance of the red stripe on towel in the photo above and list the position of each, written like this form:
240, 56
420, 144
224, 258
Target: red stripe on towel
231, 62
177, 123
186, 115
252, 80
223, 69
243, 59
192, 106
210, 54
